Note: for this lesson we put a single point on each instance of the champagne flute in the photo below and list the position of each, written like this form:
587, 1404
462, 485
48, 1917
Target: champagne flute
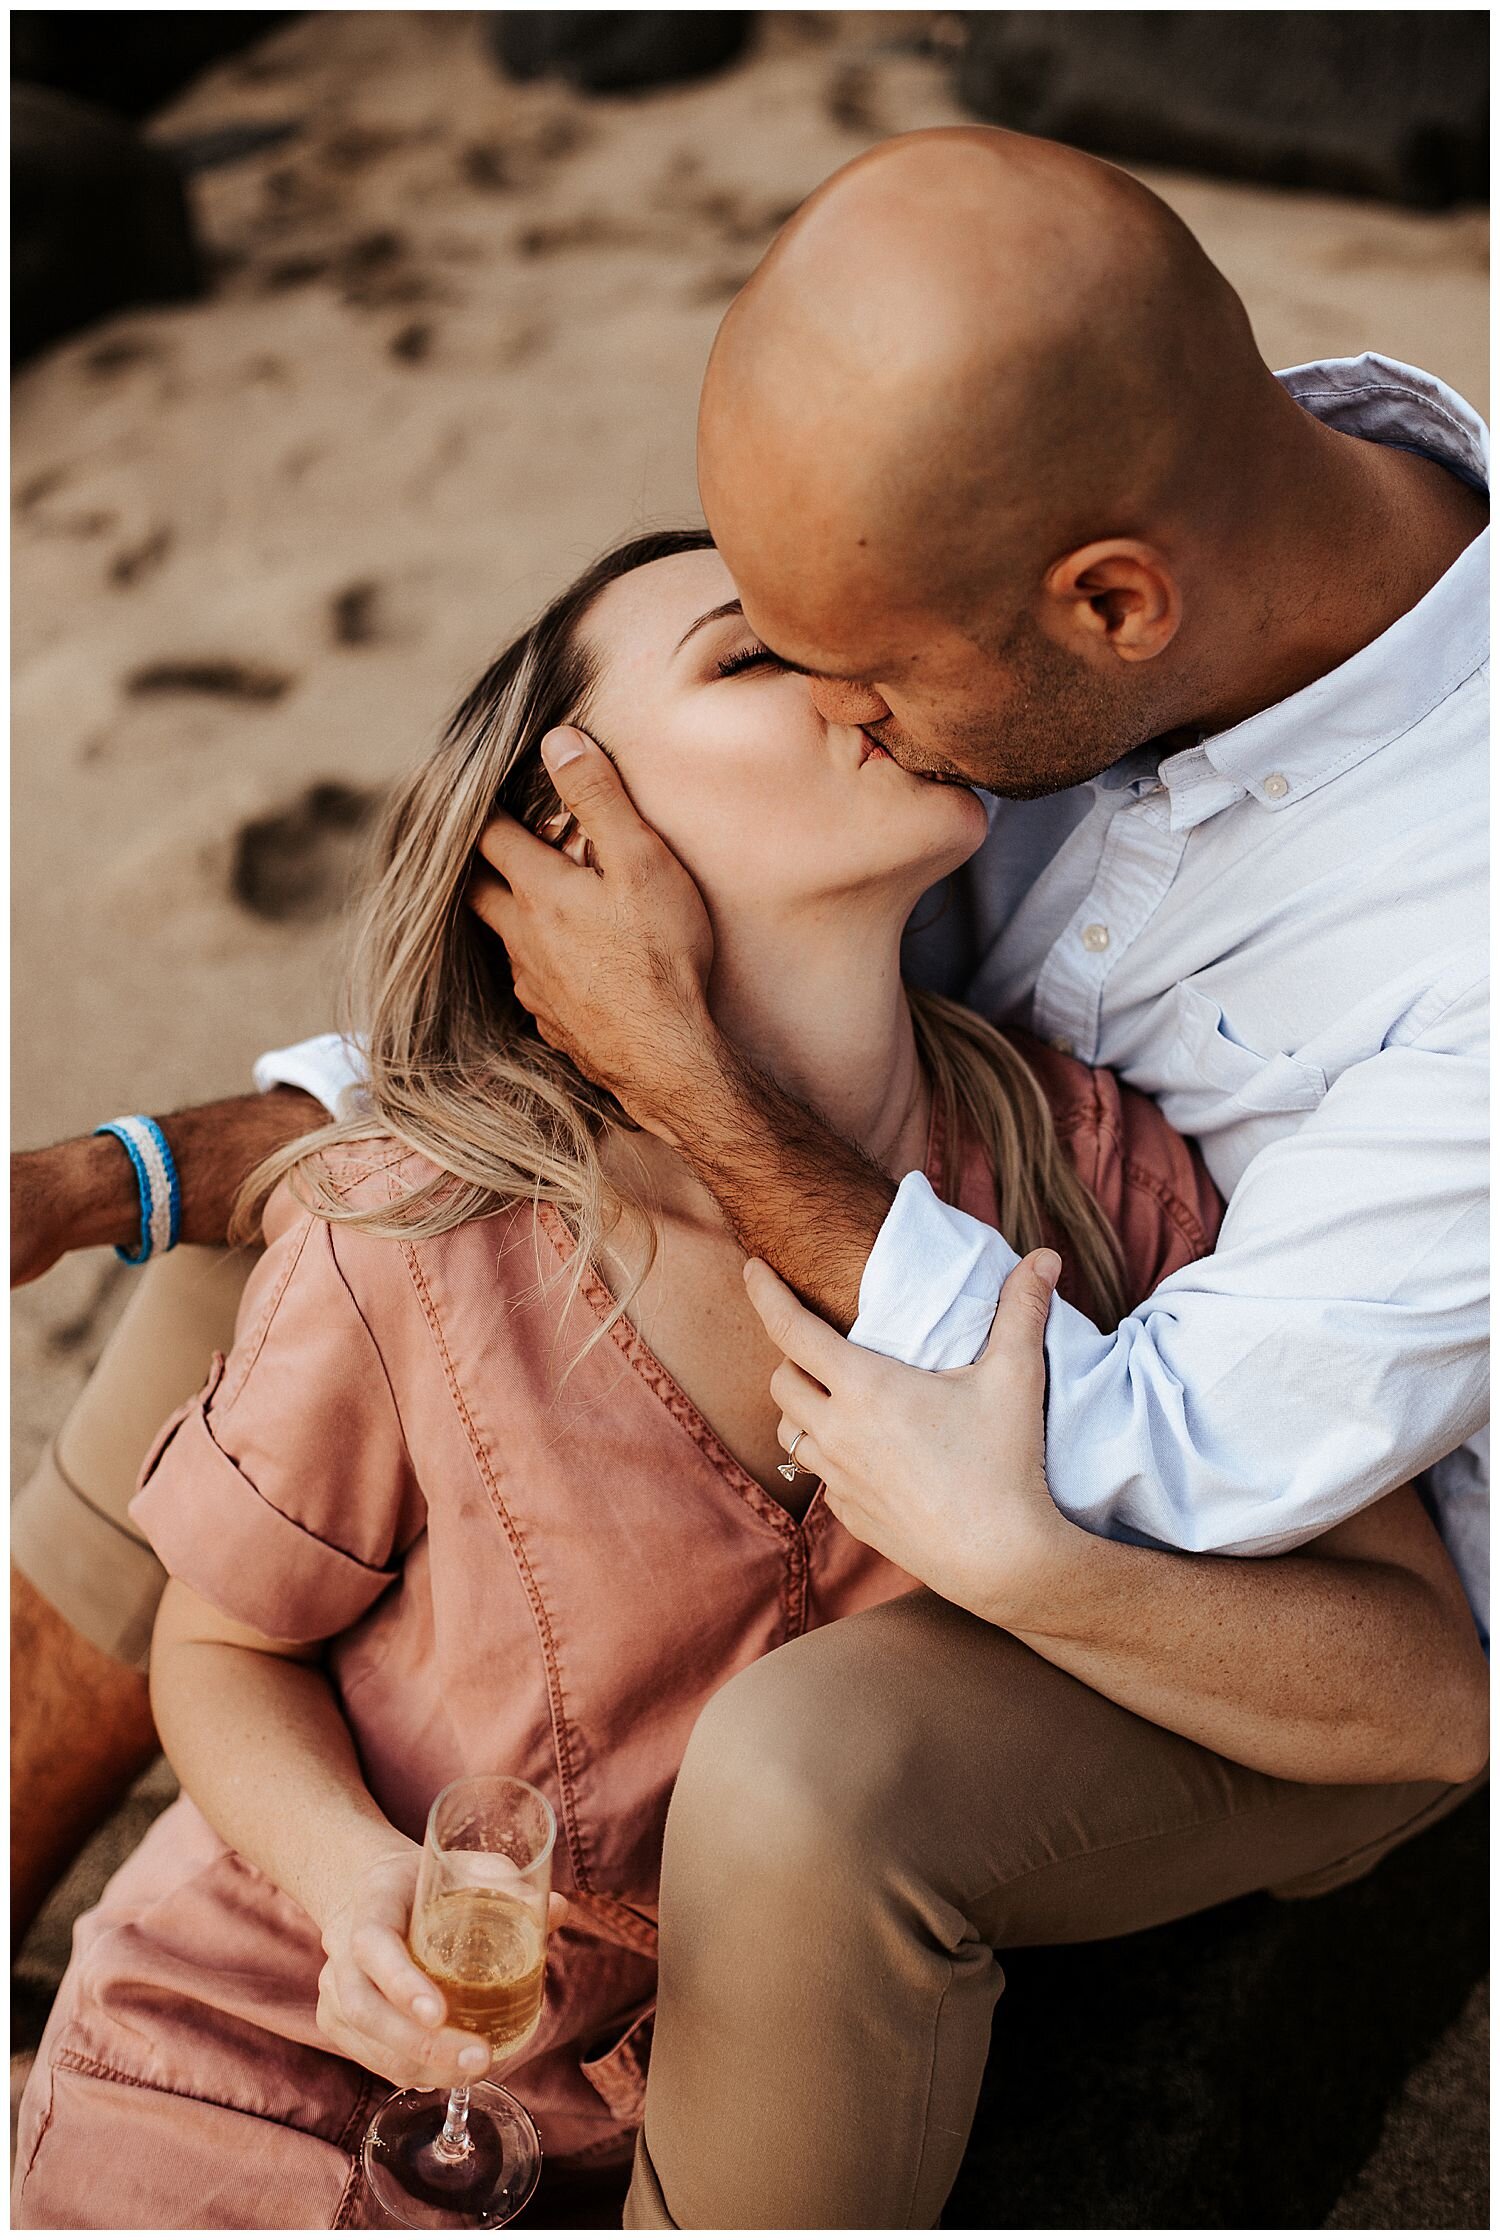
470, 2158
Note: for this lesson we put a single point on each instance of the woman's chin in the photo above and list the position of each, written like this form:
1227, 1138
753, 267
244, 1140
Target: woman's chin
951, 819
931, 839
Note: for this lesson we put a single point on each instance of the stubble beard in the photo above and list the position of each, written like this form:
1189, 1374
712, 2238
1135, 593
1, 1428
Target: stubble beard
1057, 727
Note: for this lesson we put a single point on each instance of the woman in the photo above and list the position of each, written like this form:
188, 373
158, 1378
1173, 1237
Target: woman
490, 1480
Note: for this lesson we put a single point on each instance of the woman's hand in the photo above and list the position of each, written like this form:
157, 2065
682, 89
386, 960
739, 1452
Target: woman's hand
944, 1473
374, 2003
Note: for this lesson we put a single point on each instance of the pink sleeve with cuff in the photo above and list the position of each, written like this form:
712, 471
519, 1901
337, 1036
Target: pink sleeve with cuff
283, 1492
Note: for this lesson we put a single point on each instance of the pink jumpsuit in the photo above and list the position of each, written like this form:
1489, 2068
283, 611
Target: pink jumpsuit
512, 1574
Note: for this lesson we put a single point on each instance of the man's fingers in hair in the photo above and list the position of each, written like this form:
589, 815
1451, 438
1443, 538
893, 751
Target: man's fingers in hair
521, 859
490, 899
591, 787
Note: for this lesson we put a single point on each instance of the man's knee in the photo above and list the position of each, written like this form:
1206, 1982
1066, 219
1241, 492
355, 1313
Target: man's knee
842, 1747
760, 1781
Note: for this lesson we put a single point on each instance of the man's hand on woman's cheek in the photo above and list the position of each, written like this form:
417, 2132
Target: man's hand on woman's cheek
944, 1474
611, 956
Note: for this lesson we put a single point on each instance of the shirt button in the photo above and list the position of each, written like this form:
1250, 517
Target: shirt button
1096, 937
1277, 787
1061, 1042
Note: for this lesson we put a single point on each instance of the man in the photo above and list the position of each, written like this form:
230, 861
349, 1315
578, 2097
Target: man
992, 457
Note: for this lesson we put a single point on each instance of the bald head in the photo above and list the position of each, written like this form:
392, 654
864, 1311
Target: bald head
968, 351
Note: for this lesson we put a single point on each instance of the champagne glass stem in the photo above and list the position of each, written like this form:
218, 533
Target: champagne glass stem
453, 2141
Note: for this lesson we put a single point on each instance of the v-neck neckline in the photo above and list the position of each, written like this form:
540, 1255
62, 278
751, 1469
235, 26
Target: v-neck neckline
594, 1290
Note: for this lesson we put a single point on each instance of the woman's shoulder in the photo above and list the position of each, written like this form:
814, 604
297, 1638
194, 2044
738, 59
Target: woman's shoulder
347, 1195
359, 1176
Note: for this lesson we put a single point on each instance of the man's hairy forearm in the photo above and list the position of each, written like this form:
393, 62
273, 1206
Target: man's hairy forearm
217, 1145
1310, 1666
83, 1192
796, 1193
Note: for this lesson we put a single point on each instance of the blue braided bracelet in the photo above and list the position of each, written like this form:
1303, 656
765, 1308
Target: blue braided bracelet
156, 1179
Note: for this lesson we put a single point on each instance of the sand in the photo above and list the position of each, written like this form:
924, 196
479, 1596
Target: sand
454, 346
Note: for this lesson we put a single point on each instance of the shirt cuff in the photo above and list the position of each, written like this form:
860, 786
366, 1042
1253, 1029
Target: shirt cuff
931, 1284
329, 1067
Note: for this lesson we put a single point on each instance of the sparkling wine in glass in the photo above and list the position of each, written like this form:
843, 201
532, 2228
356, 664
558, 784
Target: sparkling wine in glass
470, 2158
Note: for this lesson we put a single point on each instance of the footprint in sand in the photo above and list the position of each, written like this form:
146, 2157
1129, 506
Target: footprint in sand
216, 680
412, 343
120, 353
296, 865
140, 560
354, 615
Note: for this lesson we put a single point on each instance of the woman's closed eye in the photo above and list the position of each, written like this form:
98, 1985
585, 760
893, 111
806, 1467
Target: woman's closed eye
747, 658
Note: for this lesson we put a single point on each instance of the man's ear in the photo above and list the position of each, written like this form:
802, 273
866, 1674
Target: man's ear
1118, 596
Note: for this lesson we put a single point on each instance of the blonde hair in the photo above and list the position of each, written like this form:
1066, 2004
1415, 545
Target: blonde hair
455, 1067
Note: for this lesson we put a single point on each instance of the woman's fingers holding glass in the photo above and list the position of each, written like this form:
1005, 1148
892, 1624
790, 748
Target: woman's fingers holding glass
383, 1957
363, 2022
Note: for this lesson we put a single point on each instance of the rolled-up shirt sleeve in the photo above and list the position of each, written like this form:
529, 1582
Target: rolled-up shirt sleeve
283, 1492
330, 1067
1332, 1346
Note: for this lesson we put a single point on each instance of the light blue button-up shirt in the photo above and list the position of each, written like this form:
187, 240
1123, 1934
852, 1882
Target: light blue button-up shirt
1280, 935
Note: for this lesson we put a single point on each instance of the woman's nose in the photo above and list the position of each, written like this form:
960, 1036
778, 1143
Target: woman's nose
854, 704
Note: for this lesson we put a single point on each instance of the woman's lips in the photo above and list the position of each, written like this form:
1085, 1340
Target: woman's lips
873, 750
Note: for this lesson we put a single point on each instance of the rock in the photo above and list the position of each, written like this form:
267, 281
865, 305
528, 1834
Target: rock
618, 50
1391, 105
129, 60
99, 220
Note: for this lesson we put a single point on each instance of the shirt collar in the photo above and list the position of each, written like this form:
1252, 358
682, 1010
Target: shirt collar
1287, 751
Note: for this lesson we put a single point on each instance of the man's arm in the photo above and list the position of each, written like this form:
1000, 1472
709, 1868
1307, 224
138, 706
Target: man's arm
83, 1192
1333, 1346
795, 1192
634, 1016
1354, 1659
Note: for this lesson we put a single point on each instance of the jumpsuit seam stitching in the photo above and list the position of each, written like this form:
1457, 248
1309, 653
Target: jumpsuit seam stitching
343, 2215
540, 1615
46, 2126
660, 1382
85, 2065
256, 1336
348, 2200
1174, 1208
342, 1277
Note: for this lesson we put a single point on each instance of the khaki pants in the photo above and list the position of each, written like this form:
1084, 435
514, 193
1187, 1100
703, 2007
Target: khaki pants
864, 1821
70, 1533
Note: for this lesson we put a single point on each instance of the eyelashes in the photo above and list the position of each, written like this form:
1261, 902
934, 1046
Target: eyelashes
748, 657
